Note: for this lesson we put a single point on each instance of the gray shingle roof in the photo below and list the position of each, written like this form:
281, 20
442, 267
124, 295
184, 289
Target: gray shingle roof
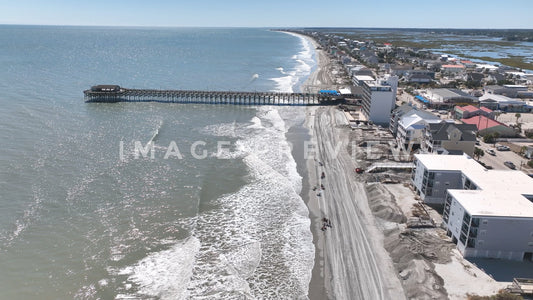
441, 131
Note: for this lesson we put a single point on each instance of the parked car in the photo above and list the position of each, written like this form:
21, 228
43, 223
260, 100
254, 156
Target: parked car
491, 152
503, 148
510, 165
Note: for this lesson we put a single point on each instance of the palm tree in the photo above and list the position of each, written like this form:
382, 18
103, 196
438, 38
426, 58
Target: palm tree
517, 115
478, 152
518, 125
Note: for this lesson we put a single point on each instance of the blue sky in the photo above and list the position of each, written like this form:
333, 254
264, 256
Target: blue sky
272, 13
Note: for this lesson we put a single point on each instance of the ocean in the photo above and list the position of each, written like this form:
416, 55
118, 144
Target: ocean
88, 210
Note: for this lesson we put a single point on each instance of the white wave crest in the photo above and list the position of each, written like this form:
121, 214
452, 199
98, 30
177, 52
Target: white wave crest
258, 244
164, 274
305, 62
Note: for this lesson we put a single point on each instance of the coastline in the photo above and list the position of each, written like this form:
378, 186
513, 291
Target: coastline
350, 257
298, 135
318, 289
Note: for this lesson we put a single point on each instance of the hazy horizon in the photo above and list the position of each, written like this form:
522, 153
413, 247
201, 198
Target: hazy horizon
265, 27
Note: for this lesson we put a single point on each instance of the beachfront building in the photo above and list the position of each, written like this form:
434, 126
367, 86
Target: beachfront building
396, 115
447, 98
468, 111
360, 80
492, 216
434, 174
411, 126
449, 138
488, 126
379, 97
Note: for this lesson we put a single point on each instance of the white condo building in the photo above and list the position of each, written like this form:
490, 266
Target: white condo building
379, 97
487, 213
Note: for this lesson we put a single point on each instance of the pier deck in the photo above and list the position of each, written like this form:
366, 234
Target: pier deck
115, 93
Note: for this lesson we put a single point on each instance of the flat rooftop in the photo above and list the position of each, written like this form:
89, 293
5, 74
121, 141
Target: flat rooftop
364, 78
500, 99
511, 182
500, 192
515, 182
449, 162
450, 93
493, 203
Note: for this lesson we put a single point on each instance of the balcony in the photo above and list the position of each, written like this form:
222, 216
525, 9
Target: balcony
466, 219
473, 232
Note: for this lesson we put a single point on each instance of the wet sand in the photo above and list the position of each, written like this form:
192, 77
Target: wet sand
350, 260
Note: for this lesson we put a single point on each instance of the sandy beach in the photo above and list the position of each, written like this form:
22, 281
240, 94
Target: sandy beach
350, 262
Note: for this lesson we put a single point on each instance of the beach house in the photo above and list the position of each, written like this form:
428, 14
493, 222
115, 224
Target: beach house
446, 138
411, 126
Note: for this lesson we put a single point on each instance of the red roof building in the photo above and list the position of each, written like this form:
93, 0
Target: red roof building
469, 111
485, 126
487, 110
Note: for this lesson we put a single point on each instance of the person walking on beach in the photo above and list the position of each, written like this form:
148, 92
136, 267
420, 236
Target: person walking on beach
325, 224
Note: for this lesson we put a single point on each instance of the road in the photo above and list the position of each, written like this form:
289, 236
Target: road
355, 262
496, 161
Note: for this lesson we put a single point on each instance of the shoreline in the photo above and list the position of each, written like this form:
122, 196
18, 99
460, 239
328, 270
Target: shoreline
350, 257
317, 286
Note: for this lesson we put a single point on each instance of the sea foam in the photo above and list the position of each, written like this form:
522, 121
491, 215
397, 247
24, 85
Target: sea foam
303, 64
163, 274
257, 243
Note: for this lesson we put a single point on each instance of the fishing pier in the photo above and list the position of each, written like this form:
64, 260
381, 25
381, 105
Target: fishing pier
115, 93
